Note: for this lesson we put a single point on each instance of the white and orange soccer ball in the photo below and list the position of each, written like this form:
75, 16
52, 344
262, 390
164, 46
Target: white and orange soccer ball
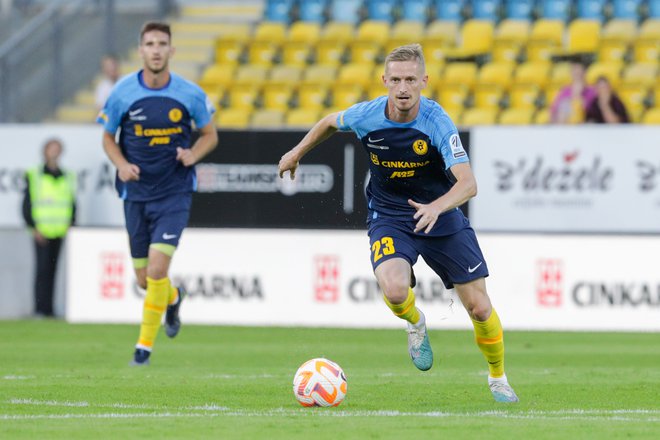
320, 382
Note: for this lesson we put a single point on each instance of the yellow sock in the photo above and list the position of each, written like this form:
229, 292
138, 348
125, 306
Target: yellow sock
490, 339
406, 310
174, 295
155, 303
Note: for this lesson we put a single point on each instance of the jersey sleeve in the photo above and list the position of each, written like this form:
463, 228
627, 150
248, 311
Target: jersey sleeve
349, 119
111, 114
449, 142
202, 109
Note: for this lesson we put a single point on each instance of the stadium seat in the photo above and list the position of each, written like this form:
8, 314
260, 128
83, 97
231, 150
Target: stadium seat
345, 95
261, 53
376, 90
295, 53
455, 113
537, 73
243, 96
488, 96
633, 97
556, 9
435, 51
338, 32
302, 117
613, 51
250, 74
320, 74
228, 50
626, 9
445, 32
452, 95
364, 52
519, 9
449, 10
270, 32
640, 74
285, 74
612, 71
278, 10
620, 29
485, 9
546, 37
523, 95
496, 74
650, 29
374, 31
312, 96
516, 116
561, 73
477, 38
651, 116
217, 76
404, 32
312, 10
460, 73
542, 117
330, 53
346, 11
415, 10
304, 32
591, 9
267, 119
381, 10
583, 36
355, 73
646, 47
479, 116
510, 37
233, 118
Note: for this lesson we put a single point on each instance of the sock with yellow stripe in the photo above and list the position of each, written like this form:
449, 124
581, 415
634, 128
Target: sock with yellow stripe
155, 303
490, 339
406, 310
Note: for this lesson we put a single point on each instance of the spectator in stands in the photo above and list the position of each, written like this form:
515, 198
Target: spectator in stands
570, 104
49, 208
110, 69
607, 108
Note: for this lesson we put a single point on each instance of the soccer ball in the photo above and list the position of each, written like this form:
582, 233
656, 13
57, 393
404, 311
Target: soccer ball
319, 382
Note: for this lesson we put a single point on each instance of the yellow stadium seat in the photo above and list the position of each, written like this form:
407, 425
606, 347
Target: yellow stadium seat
304, 32
646, 50
551, 91
345, 95
618, 29
523, 95
262, 53
548, 30
320, 74
443, 31
285, 74
234, 118
479, 116
267, 119
270, 31
537, 73
408, 30
454, 113
633, 97
373, 30
477, 37
561, 73
243, 96
338, 32
640, 74
302, 117
312, 96
651, 116
516, 116
228, 51
612, 71
276, 96
393, 43
363, 51
540, 51
488, 96
376, 90
612, 51
435, 50
434, 71
330, 53
354, 73
216, 76
510, 37
452, 95
498, 74
650, 29
542, 117
583, 36
250, 75
460, 73
296, 53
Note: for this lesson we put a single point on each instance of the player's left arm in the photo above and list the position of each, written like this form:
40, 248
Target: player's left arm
463, 190
205, 143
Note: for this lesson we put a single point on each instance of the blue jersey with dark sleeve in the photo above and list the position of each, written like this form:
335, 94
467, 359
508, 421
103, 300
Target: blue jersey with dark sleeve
407, 160
153, 123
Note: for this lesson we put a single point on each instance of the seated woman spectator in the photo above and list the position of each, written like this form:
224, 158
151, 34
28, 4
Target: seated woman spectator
571, 102
607, 108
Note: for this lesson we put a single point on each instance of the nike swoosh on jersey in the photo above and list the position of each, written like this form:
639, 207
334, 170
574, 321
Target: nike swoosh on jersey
375, 140
135, 112
167, 236
472, 269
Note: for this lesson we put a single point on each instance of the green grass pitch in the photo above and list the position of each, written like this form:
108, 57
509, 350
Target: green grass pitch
73, 381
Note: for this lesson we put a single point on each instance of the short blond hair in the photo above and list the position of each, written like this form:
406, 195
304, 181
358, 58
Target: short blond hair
409, 52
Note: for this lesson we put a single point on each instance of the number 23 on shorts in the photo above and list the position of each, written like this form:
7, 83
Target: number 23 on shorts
384, 246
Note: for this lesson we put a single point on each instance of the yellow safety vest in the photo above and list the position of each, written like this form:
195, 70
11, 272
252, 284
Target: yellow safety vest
52, 201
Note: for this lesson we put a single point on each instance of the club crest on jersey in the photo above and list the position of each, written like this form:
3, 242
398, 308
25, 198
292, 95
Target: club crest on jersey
456, 146
374, 159
420, 147
175, 115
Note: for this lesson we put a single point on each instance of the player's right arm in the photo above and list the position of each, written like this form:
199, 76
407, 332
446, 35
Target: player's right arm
321, 131
127, 171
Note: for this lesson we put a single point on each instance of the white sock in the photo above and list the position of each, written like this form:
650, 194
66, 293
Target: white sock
497, 379
421, 323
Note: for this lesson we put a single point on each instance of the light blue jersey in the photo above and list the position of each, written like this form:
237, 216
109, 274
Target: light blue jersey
153, 123
407, 160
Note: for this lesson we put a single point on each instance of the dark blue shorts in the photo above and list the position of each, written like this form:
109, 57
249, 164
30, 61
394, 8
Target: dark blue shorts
456, 258
156, 221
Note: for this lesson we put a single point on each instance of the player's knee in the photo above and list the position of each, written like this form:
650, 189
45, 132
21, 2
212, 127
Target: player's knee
479, 310
395, 289
156, 272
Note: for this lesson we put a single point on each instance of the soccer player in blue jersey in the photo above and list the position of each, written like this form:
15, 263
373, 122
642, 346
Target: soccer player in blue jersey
420, 175
154, 111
